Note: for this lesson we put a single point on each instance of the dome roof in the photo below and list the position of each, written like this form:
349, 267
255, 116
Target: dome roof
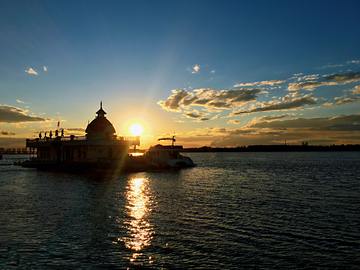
100, 123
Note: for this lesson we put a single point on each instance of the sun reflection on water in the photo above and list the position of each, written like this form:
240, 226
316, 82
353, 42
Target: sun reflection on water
139, 230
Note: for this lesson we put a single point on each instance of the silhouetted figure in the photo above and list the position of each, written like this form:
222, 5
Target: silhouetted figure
45, 136
56, 133
50, 134
39, 135
62, 133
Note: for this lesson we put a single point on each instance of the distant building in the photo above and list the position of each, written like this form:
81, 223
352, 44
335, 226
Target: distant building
99, 145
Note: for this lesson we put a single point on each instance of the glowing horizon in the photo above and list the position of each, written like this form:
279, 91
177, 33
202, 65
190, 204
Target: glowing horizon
256, 73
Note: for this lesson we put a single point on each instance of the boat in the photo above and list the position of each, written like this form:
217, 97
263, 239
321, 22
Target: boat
167, 156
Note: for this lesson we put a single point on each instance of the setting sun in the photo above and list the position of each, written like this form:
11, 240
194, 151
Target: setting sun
136, 129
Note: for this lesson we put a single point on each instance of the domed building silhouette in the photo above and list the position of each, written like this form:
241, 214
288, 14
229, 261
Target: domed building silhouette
99, 146
100, 127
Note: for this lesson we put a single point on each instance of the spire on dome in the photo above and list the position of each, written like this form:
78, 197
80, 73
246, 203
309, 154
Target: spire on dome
101, 112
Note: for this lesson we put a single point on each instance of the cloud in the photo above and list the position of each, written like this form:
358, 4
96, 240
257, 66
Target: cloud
344, 78
9, 114
309, 86
353, 62
45, 68
19, 101
342, 102
215, 117
330, 66
191, 115
271, 83
233, 122
203, 119
309, 77
292, 95
213, 71
320, 130
195, 69
279, 106
173, 102
210, 98
31, 71
3, 132
343, 123
332, 79
269, 118
356, 90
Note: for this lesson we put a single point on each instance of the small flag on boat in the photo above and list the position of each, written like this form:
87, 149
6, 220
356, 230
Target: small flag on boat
58, 123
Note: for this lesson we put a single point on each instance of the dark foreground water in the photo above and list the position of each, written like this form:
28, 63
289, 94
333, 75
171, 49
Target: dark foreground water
233, 211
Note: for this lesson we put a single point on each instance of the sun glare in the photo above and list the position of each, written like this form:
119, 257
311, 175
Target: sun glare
136, 129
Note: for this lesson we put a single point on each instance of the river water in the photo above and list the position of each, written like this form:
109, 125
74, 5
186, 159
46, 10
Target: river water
233, 211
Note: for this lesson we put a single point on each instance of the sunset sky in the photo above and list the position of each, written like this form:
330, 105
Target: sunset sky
215, 73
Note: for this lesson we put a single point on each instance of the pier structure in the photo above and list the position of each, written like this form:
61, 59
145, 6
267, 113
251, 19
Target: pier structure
100, 144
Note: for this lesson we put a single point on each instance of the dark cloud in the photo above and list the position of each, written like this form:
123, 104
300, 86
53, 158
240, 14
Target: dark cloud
191, 115
342, 102
283, 106
339, 123
239, 96
318, 130
344, 78
203, 119
332, 79
271, 117
9, 114
5, 133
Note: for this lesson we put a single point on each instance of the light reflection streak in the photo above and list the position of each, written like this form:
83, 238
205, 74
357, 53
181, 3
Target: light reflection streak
139, 234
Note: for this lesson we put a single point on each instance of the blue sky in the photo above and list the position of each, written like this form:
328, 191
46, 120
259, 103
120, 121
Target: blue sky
220, 73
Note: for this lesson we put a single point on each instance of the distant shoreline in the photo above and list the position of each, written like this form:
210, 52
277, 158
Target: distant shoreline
270, 148
277, 148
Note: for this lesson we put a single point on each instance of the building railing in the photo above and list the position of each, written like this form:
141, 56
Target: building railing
83, 138
16, 151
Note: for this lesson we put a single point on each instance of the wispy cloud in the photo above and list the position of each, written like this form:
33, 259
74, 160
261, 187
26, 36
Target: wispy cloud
19, 101
331, 66
353, 62
262, 83
45, 68
31, 71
